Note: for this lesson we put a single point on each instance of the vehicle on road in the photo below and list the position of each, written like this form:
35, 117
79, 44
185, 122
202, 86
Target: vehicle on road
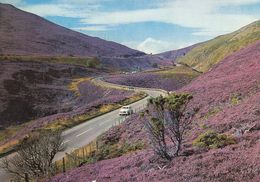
126, 111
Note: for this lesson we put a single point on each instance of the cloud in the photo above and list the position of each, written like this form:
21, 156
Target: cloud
92, 28
204, 15
13, 2
154, 46
61, 9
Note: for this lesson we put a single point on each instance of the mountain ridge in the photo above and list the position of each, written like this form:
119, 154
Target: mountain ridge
205, 55
23, 33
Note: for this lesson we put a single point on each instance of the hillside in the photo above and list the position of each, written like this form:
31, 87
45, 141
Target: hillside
170, 79
228, 101
175, 54
205, 55
23, 33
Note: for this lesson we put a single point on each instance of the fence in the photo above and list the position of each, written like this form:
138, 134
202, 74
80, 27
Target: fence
82, 155
76, 158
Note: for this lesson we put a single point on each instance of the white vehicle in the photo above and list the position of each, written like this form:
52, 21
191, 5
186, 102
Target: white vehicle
126, 110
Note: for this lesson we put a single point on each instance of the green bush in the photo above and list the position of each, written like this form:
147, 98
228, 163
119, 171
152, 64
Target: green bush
211, 139
235, 99
116, 150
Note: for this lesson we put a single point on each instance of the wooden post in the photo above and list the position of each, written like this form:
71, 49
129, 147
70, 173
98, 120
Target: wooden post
63, 165
26, 177
83, 153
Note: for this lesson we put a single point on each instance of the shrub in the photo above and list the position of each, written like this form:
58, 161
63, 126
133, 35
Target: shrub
167, 119
93, 63
113, 150
35, 155
235, 99
211, 139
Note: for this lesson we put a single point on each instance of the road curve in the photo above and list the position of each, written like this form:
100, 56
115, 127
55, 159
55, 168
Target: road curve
85, 133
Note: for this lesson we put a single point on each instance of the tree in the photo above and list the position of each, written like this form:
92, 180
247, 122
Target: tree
93, 63
166, 121
35, 156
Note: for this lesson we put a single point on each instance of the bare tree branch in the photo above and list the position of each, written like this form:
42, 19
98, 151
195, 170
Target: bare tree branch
166, 120
35, 155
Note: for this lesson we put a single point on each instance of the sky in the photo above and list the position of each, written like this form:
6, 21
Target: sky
152, 26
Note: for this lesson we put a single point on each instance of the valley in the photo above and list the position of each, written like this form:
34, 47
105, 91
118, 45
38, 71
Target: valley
54, 79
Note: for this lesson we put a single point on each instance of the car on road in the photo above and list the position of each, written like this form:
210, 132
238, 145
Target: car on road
126, 111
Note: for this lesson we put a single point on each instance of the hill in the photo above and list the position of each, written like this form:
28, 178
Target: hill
205, 55
228, 101
175, 54
23, 33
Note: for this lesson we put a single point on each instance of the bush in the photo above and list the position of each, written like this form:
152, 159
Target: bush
109, 150
235, 99
211, 139
167, 119
93, 63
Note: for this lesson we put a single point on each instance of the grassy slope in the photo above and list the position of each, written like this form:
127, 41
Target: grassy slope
209, 53
168, 79
178, 71
80, 61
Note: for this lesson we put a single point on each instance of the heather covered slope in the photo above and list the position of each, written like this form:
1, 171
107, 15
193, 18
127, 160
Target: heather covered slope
171, 79
229, 101
30, 90
175, 54
235, 78
23, 33
205, 55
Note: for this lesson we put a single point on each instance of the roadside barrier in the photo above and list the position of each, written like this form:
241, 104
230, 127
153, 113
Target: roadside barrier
82, 155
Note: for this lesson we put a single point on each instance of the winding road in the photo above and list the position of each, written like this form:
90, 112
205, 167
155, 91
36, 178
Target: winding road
85, 133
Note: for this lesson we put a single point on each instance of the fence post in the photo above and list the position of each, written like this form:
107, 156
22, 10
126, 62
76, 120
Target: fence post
83, 152
96, 145
26, 177
56, 167
63, 165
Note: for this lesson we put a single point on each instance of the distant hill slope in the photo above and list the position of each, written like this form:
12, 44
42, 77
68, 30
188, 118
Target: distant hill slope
209, 53
23, 33
173, 55
228, 100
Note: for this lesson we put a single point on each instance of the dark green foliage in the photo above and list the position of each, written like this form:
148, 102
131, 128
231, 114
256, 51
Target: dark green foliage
173, 101
93, 63
166, 119
211, 139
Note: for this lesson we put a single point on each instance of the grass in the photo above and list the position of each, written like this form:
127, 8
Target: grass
213, 111
179, 70
73, 86
93, 152
100, 110
6, 134
206, 55
81, 61
235, 99
63, 124
77, 157
211, 139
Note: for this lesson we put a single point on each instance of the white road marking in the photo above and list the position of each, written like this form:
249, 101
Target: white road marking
83, 132
100, 124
